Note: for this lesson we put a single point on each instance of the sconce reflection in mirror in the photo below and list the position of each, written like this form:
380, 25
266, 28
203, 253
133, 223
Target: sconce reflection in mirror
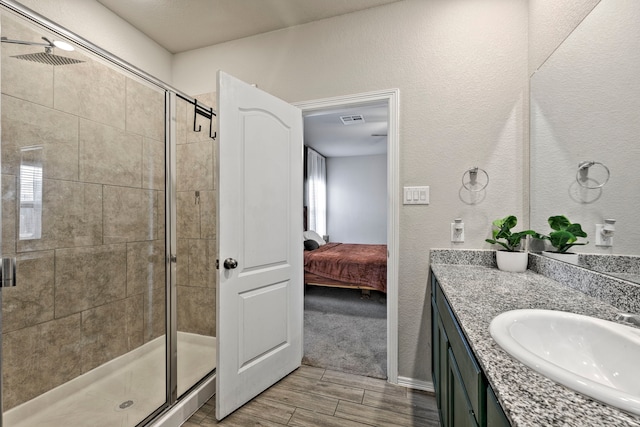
582, 175
471, 183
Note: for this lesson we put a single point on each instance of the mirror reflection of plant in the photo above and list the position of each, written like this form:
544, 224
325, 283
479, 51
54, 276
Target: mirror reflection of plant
565, 234
503, 236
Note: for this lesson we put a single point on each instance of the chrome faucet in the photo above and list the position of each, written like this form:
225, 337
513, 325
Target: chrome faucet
632, 319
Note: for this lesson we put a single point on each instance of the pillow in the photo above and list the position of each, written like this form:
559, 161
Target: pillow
312, 235
311, 245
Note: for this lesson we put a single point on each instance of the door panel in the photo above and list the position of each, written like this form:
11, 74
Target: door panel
260, 292
263, 313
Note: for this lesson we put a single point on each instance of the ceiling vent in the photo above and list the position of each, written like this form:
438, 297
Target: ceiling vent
352, 120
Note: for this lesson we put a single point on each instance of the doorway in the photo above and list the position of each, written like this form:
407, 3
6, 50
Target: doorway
389, 101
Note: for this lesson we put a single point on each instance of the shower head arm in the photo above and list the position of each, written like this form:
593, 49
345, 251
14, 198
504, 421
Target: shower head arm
6, 40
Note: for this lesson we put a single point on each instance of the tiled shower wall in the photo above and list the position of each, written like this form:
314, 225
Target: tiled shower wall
196, 221
93, 286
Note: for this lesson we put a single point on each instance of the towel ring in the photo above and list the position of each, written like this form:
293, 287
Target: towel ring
473, 177
583, 172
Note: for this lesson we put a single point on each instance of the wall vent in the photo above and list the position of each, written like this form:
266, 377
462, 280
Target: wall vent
352, 120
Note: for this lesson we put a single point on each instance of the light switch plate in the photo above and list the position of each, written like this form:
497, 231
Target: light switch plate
416, 195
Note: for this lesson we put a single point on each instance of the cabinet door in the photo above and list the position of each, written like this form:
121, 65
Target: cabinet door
443, 373
460, 411
435, 347
495, 415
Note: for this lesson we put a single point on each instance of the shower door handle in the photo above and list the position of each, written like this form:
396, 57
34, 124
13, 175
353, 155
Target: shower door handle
230, 263
7, 272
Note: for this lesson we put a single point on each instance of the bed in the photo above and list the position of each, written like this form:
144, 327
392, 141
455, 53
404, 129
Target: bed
347, 265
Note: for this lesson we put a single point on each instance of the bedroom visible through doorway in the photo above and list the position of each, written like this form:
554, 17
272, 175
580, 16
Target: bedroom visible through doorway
346, 233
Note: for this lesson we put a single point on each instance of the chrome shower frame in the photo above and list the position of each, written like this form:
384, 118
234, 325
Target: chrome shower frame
174, 411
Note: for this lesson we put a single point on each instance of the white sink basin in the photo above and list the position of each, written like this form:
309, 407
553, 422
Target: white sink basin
595, 357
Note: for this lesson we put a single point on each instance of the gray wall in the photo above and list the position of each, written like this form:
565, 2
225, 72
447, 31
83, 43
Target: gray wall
357, 199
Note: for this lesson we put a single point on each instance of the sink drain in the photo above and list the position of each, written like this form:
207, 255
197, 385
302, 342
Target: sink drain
126, 404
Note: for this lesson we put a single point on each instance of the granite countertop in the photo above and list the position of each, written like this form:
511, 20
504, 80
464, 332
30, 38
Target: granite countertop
477, 294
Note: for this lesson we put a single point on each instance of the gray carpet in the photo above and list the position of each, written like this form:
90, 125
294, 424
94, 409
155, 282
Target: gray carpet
345, 332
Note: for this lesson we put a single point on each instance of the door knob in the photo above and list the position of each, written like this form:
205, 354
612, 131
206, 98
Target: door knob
230, 263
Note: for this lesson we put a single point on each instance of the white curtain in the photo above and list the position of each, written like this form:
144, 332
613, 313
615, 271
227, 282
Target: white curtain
317, 192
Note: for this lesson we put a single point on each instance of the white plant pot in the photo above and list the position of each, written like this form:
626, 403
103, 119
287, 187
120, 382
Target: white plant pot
512, 261
571, 258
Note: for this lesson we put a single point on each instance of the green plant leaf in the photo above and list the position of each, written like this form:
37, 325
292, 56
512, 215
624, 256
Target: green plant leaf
559, 222
576, 230
503, 236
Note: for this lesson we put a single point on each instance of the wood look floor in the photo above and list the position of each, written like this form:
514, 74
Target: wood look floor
317, 397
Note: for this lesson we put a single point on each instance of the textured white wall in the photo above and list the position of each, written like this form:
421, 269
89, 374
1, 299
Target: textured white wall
585, 104
357, 199
550, 22
461, 67
94, 22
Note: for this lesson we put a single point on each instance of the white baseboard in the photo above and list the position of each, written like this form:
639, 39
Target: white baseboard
416, 384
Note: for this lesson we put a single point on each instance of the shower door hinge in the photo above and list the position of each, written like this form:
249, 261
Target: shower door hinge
217, 264
173, 258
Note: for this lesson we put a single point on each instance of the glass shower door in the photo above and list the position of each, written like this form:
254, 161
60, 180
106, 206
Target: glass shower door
196, 274
83, 198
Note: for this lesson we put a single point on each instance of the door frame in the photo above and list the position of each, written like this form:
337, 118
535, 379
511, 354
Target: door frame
392, 98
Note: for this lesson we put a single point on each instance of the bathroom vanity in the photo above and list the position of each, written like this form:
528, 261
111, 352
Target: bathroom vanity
477, 383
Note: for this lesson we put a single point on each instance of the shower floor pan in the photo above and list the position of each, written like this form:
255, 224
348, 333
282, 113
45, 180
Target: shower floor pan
119, 393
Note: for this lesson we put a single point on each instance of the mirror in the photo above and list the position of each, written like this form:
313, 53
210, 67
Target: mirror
585, 135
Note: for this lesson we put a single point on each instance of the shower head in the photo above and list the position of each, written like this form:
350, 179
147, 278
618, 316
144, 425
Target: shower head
46, 57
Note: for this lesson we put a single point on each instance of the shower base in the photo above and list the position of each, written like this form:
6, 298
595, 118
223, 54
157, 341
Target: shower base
121, 392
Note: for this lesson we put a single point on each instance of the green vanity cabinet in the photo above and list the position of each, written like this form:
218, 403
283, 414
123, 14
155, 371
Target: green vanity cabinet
495, 415
463, 394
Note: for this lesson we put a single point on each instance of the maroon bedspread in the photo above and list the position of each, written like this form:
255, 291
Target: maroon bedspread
353, 263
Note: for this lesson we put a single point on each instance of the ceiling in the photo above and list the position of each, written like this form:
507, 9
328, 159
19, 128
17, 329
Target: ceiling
181, 25
325, 132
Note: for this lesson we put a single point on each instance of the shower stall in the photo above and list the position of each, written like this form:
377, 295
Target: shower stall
109, 211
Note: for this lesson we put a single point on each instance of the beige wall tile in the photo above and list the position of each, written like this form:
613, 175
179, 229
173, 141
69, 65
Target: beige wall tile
196, 310
182, 266
31, 301
188, 215
130, 214
182, 125
202, 263
155, 317
194, 168
160, 197
71, 216
91, 90
145, 110
27, 80
208, 214
145, 266
89, 277
25, 124
153, 164
109, 155
111, 330
9, 209
39, 358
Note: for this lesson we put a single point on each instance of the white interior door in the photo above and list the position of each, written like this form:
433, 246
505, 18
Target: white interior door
260, 287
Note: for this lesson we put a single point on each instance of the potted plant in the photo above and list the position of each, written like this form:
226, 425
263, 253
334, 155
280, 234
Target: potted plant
512, 258
563, 237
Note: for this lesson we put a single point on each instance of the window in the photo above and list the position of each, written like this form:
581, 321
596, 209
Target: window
31, 193
317, 191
